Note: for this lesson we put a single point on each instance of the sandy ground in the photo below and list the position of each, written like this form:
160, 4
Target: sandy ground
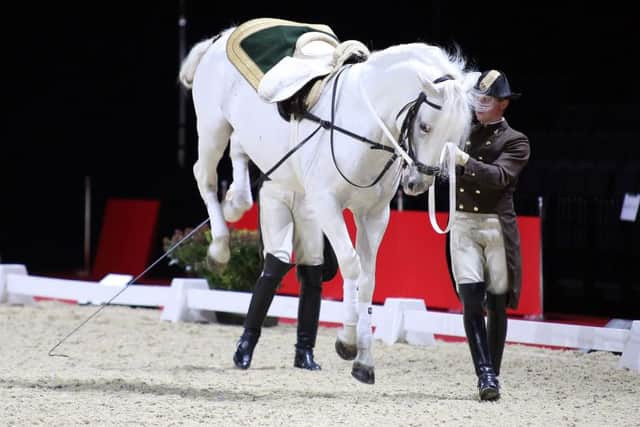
127, 367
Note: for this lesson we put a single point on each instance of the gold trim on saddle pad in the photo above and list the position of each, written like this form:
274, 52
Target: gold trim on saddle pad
239, 57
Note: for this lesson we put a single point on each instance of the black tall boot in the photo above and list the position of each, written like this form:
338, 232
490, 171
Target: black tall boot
472, 296
310, 277
496, 327
272, 273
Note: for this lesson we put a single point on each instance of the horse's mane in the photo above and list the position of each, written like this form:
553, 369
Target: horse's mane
455, 120
453, 63
431, 62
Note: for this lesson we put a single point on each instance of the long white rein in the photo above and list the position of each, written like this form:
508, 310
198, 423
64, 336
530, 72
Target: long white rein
449, 148
386, 131
451, 164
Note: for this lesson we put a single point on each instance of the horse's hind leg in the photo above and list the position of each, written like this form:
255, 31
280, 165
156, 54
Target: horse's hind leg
238, 199
212, 141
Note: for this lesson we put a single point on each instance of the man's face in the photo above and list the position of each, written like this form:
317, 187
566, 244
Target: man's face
490, 109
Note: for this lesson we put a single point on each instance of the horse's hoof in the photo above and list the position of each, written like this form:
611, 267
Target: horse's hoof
363, 373
219, 251
346, 351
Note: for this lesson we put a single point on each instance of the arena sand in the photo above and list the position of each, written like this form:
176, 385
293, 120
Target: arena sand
128, 367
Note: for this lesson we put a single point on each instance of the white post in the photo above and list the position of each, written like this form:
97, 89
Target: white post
391, 325
631, 354
5, 296
177, 309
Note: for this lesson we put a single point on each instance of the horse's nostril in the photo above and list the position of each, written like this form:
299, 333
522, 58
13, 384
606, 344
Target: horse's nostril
411, 185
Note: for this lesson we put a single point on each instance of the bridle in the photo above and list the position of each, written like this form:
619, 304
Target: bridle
405, 139
403, 147
331, 126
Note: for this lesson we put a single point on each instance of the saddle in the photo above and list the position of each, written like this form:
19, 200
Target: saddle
296, 83
289, 63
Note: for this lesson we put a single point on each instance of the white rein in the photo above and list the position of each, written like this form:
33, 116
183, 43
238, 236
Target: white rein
386, 131
451, 164
451, 169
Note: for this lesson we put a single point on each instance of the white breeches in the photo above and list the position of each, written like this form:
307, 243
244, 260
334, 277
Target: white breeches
477, 251
288, 226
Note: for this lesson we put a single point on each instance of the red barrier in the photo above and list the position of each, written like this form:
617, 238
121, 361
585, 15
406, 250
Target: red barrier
412, 263
126, 237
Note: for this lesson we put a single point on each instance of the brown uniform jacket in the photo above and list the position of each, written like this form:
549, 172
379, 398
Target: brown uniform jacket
497, 156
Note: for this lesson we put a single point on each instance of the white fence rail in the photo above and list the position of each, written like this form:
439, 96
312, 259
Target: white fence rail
398, 319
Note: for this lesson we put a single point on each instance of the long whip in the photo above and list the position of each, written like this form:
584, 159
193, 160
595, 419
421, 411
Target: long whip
130, 282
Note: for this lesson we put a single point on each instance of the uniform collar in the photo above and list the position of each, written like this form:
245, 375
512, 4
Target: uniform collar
496, 126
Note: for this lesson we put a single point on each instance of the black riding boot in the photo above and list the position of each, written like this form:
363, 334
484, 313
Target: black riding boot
310, 277
272, 273
472, 296
496, 327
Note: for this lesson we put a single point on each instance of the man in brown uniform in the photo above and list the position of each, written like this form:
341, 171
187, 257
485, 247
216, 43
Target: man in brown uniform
484, 242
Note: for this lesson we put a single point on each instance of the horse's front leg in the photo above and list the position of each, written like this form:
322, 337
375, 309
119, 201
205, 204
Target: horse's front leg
330, 217
238, 199
212, 141
371, 228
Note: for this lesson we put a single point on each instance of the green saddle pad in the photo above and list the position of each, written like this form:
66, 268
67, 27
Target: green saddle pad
257, 45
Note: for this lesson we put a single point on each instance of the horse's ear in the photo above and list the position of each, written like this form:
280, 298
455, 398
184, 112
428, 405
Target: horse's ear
433, 94
431, 89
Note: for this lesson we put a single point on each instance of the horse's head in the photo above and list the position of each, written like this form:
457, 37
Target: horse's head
441, 113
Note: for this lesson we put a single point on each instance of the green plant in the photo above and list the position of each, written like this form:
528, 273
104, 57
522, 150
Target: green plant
239, 274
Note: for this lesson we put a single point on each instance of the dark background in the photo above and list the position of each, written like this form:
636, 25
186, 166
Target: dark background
92, 91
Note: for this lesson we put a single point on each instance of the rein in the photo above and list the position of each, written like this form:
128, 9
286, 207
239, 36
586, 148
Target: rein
408, 122
431, 202
397, 150
326, 124
405, 135
331, 126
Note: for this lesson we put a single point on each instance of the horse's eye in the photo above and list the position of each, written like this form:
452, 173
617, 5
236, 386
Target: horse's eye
425, 127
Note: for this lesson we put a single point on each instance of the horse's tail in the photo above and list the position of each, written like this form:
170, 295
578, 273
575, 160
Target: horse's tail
190, 63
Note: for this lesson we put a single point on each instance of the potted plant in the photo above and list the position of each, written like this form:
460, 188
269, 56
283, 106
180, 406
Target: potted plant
239, 274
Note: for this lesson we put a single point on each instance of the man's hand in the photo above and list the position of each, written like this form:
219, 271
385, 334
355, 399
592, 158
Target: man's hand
461, 157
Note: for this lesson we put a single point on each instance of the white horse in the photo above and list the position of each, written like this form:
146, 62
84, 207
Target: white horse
410, 99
